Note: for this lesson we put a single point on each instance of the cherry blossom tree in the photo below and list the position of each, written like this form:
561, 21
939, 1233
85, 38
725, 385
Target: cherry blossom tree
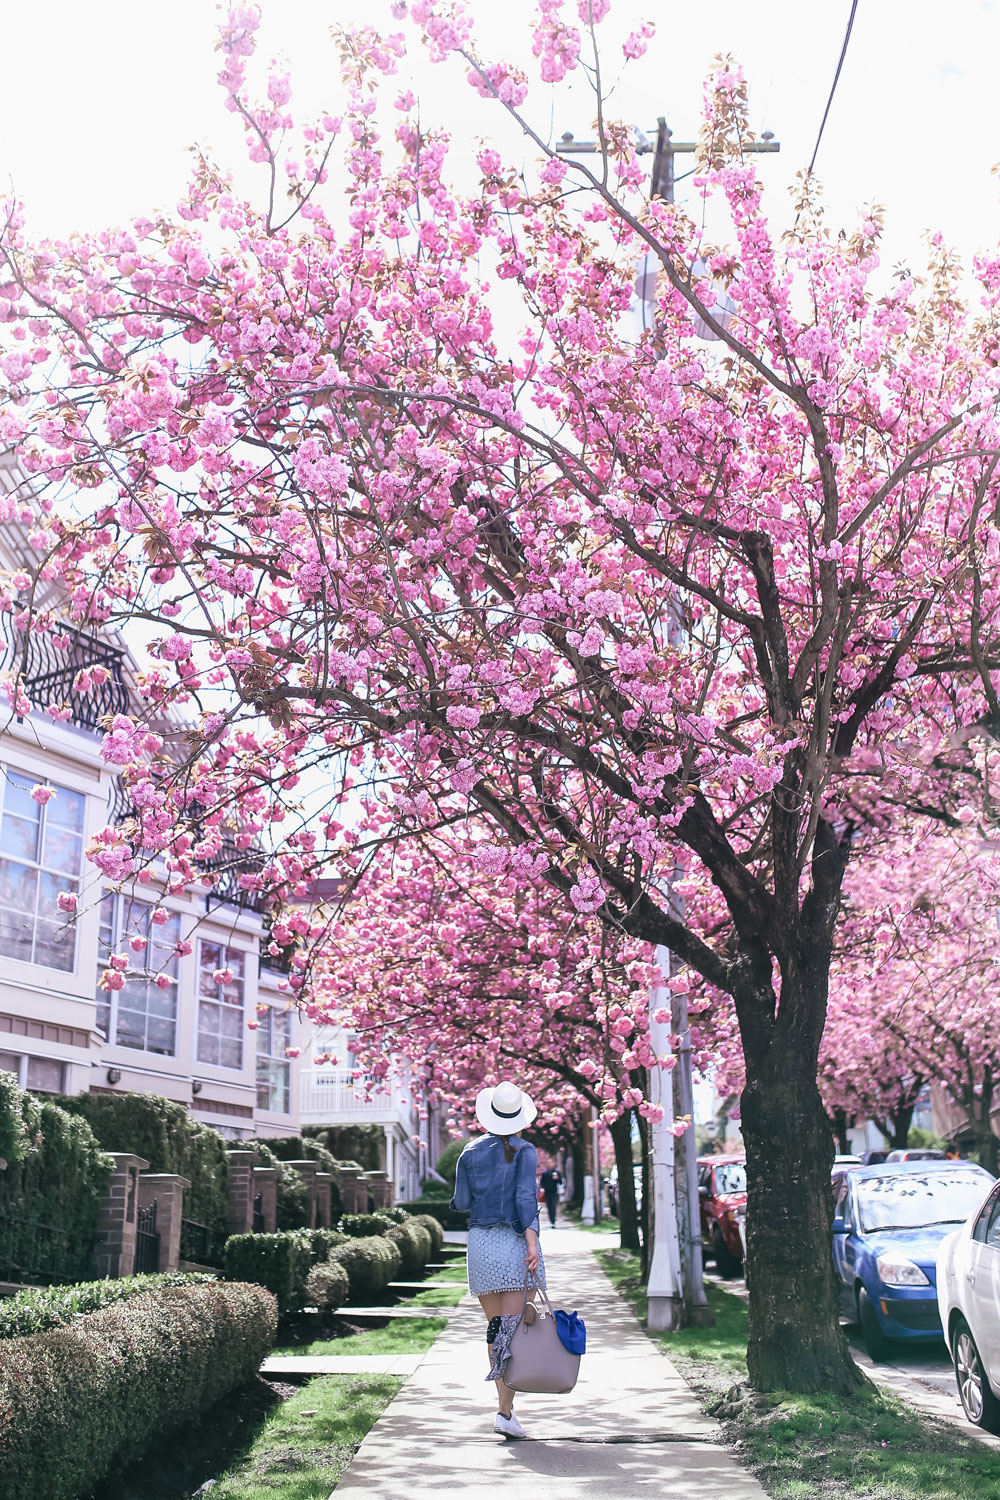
402, 500
917, 984
474, 977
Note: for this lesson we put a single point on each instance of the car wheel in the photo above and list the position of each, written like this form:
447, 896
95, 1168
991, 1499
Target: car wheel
878, 1346
727, 1265
978, 1401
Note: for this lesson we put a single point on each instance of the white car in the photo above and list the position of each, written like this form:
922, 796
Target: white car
968, 1291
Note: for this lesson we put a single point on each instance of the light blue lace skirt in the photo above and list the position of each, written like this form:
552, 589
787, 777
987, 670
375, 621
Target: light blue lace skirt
496, 1260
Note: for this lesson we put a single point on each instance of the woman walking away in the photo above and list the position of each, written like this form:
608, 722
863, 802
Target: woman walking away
495, 1185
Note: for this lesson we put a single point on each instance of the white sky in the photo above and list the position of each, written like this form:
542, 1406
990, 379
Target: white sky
101, 99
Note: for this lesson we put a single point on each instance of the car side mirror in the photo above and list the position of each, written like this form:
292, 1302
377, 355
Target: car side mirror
703, 1191
839, 1227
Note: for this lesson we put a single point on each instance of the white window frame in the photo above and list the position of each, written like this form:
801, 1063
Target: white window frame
228, 952
24, 1058
119, 943
66, 882
272, 1058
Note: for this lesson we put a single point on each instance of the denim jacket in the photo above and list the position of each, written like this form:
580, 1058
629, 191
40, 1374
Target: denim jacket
492, 1190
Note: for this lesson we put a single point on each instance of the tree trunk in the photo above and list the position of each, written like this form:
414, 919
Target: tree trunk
628, 1218
838, 1122
795, 1341
646, 1180
980, 1116
576, 1151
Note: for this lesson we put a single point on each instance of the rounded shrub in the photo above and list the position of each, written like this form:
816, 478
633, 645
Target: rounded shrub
359, 1225
80, 1401
370, 1263
434, 1229
328, 1285
414, 1244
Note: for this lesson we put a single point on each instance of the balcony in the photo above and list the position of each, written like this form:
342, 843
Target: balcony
337, 1099
224, 868
48, 675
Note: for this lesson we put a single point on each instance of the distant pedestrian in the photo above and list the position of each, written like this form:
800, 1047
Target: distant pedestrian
550, 1184
495, 1185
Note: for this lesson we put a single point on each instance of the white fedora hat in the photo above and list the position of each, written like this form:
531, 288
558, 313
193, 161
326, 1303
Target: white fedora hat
504, 1110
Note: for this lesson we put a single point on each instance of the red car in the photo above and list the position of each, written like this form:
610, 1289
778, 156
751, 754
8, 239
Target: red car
722, 1189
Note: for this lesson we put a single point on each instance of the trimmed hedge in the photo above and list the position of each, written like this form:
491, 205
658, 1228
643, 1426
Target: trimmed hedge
50, 1191
353, 1145
434, 1229
162, 1131
80, 1401
447, 1162
281, 1262
440, 1209
37, 1308
361, 1226
414, 1244
370, 1265
285, 1148
328, 1285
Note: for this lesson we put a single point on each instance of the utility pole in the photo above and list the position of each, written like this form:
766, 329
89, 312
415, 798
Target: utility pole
675, 1284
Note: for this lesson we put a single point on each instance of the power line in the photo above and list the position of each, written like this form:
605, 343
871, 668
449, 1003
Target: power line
833, 88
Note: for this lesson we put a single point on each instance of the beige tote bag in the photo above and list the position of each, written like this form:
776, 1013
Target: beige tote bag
539, 1361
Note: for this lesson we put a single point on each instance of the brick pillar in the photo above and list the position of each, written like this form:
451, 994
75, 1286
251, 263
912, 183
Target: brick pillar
114, 1242
323, 1181
380, 1188
166, 1190
351, 1184
307, 1171
265, 1182
239, 1208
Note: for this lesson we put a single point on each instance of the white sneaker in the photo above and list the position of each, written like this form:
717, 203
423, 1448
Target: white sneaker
508, 1426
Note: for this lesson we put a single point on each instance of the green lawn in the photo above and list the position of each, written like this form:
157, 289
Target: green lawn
607, 1225
400, 1336
456, 1272
447, 1298
296, 1456
816, 1447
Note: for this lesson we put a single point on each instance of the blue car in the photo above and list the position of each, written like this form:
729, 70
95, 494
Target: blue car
888, 1223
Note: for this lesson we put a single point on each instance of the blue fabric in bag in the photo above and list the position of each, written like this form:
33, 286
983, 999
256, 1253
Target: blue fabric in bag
572, 1331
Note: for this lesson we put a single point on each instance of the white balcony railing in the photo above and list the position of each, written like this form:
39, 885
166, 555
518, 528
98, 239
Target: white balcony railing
327, 1098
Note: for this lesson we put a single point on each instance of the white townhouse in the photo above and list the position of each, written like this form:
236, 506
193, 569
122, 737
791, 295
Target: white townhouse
191, 1039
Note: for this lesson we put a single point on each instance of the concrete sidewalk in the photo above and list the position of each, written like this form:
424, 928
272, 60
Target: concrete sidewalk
631, 1425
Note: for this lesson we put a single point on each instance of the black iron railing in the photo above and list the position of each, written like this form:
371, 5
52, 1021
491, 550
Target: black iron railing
48, 674
147, 1241
258, 1213
34, 1252
201, 1243
120, 805
226, 867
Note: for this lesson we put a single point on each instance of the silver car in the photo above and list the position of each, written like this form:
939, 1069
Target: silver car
968, 1291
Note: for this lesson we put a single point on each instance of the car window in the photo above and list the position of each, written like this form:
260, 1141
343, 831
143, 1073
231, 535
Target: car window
912, 1200
731, 1178
982, 1224
993, 1226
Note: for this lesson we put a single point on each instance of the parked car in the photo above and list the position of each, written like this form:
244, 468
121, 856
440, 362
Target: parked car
846, 1161
968, 1291
888, 1223
917, 1153
612, 1181
722, 1189
874, 1156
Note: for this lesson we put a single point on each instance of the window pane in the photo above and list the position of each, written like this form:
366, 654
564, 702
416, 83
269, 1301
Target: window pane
231, 1052
49, 889
45, 1074
10, 1063
234, 961
131, 1029
55, 945
19, 836
15, 934
18, 886
62, 850
211, 957
103, 1015
17, 797
282, 1031
231, 1023
208, 1047
65, 809
160, 1037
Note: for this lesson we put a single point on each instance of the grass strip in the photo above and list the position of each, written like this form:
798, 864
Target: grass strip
607, 1225
815, 1447
301, 1457
445, 1298
400, 1336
